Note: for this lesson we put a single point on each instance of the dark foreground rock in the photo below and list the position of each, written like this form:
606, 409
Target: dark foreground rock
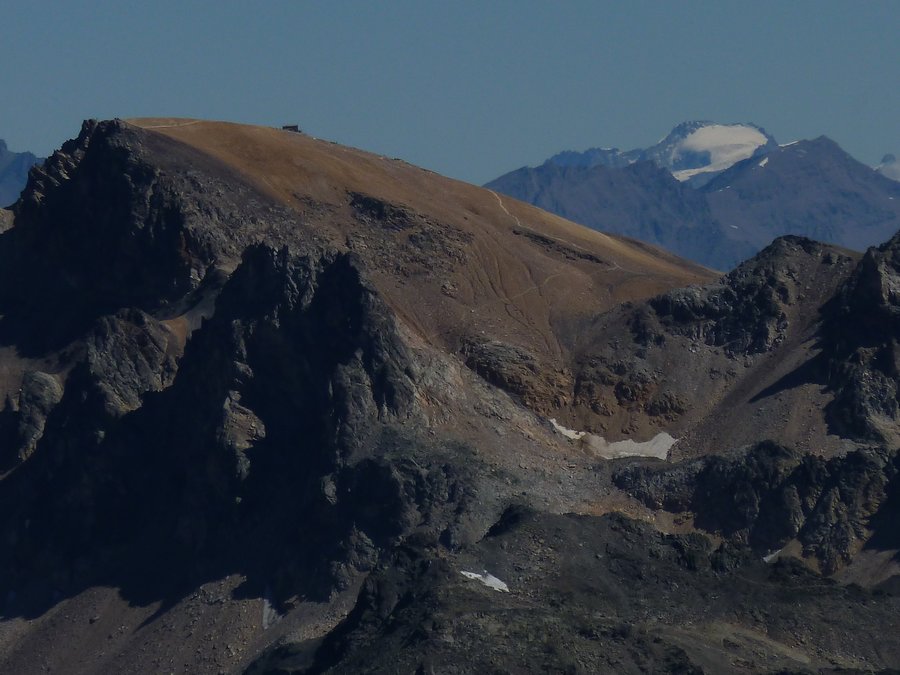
769, 496
861, 333
293, 399
598, 594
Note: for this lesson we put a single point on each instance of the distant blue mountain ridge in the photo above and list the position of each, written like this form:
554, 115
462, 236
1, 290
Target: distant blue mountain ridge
718, 193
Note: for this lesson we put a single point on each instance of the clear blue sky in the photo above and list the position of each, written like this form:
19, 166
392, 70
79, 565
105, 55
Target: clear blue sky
468, 89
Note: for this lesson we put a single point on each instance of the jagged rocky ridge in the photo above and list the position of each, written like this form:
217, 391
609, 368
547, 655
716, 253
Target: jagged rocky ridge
278, 397
861, 333
597, 594
188, 401
296, 351
691, 357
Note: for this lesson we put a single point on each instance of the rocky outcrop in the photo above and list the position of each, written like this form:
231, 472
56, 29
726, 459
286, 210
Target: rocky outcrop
770, 495
595, 594
861, 333
666, 361
292, 399
126, 356
6, 220
518, 372
122, 358
23, 418
748, 312
96, 214
115, 219
606, 384
405, 243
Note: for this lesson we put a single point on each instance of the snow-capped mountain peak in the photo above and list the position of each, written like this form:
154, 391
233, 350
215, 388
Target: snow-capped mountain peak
693, 151
700, 147
715, 148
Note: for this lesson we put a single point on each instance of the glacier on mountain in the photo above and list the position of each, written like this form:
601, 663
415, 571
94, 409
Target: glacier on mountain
721, 145
693, 151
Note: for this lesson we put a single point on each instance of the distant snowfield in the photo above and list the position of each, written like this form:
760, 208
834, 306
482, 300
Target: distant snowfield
658, 446
726, 144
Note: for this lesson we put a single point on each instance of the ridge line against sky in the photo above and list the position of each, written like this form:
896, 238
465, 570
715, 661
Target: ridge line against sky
471, 90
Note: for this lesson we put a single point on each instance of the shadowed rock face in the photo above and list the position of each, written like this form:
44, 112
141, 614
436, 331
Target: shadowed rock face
595, 594
14, 167
95, 215
769, 496
677, 361
114, 220
172, 438
283, 403
862, 331
319, 403
747, 312
772, 299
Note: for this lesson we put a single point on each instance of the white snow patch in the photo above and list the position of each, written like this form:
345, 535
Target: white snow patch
773, 556
658, 446
764, 161
726, 144
487, 579
270, 615
571, 434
